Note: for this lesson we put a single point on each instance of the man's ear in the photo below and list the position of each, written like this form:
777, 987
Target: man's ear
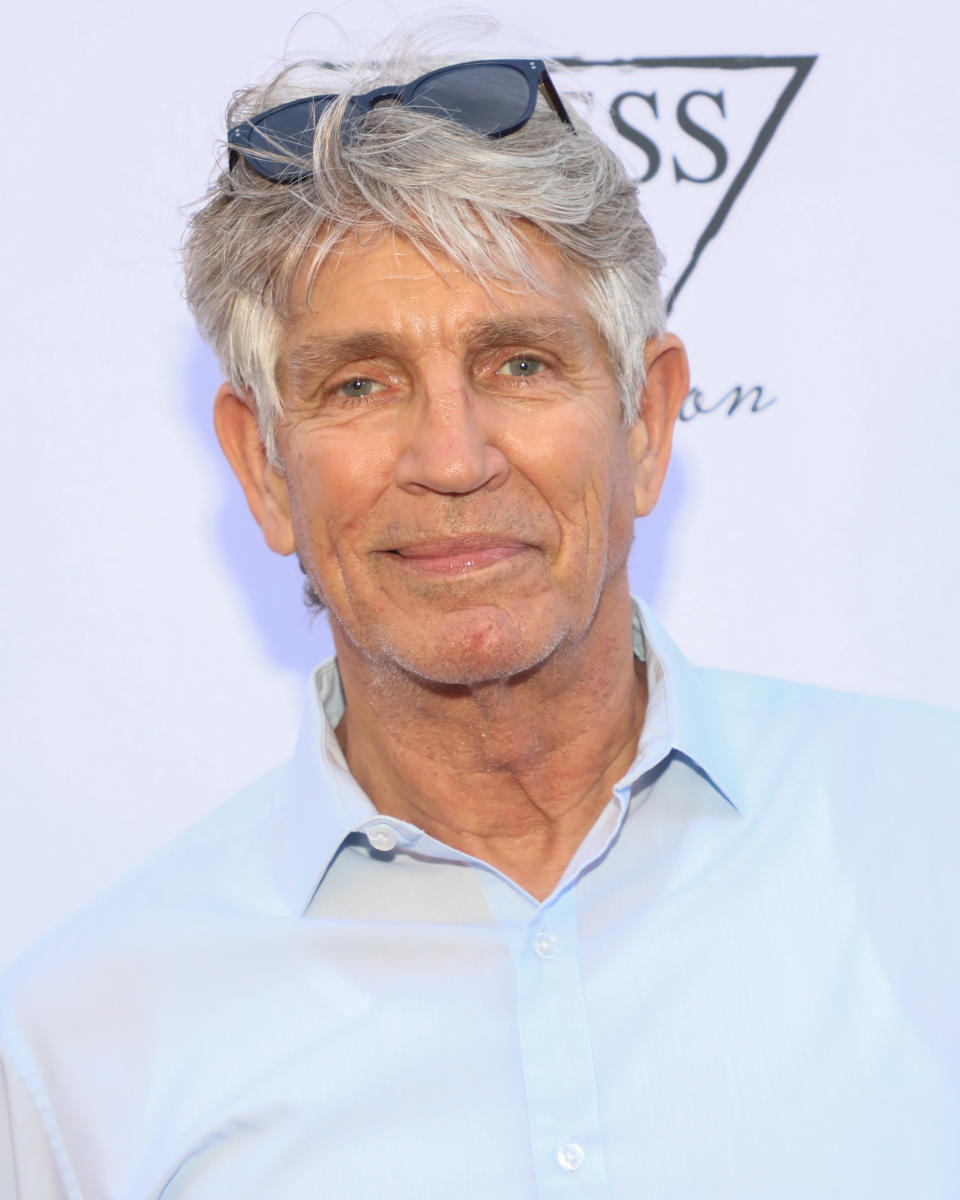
264, 485
651, 438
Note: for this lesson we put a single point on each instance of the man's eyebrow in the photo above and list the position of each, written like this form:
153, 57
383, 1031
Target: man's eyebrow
532, 329
322, 353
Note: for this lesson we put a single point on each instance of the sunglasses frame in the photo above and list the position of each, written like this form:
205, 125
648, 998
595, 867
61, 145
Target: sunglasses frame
253, 138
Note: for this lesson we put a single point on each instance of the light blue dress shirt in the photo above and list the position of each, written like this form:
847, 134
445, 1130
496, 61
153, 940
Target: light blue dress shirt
743, 988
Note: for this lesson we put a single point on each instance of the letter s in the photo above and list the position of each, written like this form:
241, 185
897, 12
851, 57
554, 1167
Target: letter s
634, 135
703, 136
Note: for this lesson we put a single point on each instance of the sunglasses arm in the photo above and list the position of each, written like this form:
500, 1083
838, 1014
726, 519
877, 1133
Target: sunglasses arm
553, 97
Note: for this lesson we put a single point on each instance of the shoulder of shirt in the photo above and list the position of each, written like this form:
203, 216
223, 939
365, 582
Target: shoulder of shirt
133, 952
776, 700
866, 789
842, 738
752, 734
212, 867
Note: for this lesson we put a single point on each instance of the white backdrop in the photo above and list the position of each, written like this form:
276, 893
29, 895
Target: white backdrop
154, 653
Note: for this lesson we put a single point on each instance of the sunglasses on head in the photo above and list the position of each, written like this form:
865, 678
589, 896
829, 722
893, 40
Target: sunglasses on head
496, 98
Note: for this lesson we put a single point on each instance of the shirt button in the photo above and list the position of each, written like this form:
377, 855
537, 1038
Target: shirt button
570, 1156
381, 837
546, 945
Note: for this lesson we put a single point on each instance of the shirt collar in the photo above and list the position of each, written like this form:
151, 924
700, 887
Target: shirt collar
682, 714
325, 803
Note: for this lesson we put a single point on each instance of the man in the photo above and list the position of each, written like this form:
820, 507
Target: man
538, 909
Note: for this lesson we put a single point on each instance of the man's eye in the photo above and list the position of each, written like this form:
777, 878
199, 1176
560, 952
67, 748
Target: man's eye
521, 366
356, 389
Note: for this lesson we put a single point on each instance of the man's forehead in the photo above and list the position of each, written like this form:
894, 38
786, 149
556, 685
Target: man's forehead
365, 291
534, 267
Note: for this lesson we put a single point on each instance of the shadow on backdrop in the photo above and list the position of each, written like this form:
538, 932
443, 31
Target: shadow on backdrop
272, 586
650, 554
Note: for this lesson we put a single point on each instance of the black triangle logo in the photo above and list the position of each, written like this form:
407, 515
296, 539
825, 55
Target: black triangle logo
611, 82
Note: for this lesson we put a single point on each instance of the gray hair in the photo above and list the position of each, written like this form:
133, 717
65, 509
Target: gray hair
438, 185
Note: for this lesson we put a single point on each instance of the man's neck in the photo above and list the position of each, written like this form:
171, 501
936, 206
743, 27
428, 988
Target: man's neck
514, 771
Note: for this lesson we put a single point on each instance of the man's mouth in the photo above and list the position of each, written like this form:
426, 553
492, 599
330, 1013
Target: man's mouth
445, 556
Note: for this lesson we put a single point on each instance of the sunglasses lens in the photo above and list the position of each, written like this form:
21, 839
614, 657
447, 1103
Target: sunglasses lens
490, 98
279, 144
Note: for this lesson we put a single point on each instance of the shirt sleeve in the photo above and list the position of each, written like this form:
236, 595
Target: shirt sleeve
28, 1169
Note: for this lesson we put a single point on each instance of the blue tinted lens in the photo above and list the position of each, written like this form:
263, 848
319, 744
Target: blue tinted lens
490, 98
279, 143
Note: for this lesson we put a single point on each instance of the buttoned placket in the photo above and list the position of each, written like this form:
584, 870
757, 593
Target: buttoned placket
552, 1025
557, 1055
554, 1040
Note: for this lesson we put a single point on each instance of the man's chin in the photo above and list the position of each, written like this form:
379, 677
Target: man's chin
464, 649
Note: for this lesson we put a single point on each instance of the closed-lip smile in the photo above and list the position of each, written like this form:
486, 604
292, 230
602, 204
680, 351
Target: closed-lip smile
457, 554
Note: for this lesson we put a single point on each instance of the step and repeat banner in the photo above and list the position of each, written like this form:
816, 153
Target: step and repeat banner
800, 170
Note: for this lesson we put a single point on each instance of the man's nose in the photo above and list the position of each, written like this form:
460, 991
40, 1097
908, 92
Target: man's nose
449, 437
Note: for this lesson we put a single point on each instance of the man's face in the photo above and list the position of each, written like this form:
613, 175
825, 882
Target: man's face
457, 478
